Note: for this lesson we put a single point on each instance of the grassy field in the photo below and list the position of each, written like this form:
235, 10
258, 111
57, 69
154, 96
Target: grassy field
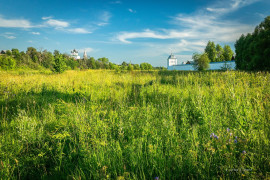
134, 125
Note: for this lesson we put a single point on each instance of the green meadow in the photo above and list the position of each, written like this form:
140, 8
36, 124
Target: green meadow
102, 124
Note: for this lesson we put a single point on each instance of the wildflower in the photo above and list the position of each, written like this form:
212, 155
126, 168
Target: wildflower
216, 136
230, 134
235, 141
229, 140
212, 135
235, 137
228, 129
244, 152
156, 178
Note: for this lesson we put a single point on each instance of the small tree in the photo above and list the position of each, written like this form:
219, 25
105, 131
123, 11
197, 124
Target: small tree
210, 49
201, 61
59, 64
220, 53
228, 53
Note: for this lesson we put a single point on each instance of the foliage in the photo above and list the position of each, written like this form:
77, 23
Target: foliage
7, 62
59, 64
134, 125
130, 67
145, 66
220, 52
253, 50
201, 61
227, 53
210, 49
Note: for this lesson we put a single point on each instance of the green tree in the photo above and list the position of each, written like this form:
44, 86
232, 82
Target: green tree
219, 53
136, 67
71, 63
253, 50
228, 53
59, 64
48, 59
33, 54
56, 53
210, 49
9, 53
130, 67
145, 66
201, 61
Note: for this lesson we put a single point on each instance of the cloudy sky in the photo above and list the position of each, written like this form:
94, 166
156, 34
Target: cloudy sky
134, 31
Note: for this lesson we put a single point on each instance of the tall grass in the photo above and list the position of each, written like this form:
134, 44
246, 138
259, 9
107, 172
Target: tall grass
134, 125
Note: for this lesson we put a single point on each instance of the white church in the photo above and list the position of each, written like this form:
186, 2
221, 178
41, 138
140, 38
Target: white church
188, 66
75, 54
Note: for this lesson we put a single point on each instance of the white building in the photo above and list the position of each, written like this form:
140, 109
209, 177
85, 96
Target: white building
172, 60
74, 54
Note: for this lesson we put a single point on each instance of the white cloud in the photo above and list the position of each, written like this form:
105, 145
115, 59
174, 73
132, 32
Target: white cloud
131, 10
165, 34
30, 41
47, 17
78, 31
35, 33
57, 23
229, 6
15, 23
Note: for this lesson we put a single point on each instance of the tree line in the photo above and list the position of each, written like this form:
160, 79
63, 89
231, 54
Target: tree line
58, 62
253, 50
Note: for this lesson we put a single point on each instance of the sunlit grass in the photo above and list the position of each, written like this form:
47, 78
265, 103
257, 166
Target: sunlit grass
134, 125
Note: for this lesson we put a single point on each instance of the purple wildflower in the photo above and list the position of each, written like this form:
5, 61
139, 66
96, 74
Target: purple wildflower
212, 135
230, 134
216, 136
235, 137
156, 178
244, 152
229, 140
228, 129
235, 141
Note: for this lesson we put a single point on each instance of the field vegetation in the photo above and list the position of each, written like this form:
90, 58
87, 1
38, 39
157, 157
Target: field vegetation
102, 124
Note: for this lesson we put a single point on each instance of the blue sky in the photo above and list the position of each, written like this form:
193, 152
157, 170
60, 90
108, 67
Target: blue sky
124, 30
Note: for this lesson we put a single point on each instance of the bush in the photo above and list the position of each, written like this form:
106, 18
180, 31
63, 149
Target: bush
7, 62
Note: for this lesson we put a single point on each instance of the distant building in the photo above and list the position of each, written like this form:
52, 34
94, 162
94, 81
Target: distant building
84, 55
172, 60
3, 52
74, 54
